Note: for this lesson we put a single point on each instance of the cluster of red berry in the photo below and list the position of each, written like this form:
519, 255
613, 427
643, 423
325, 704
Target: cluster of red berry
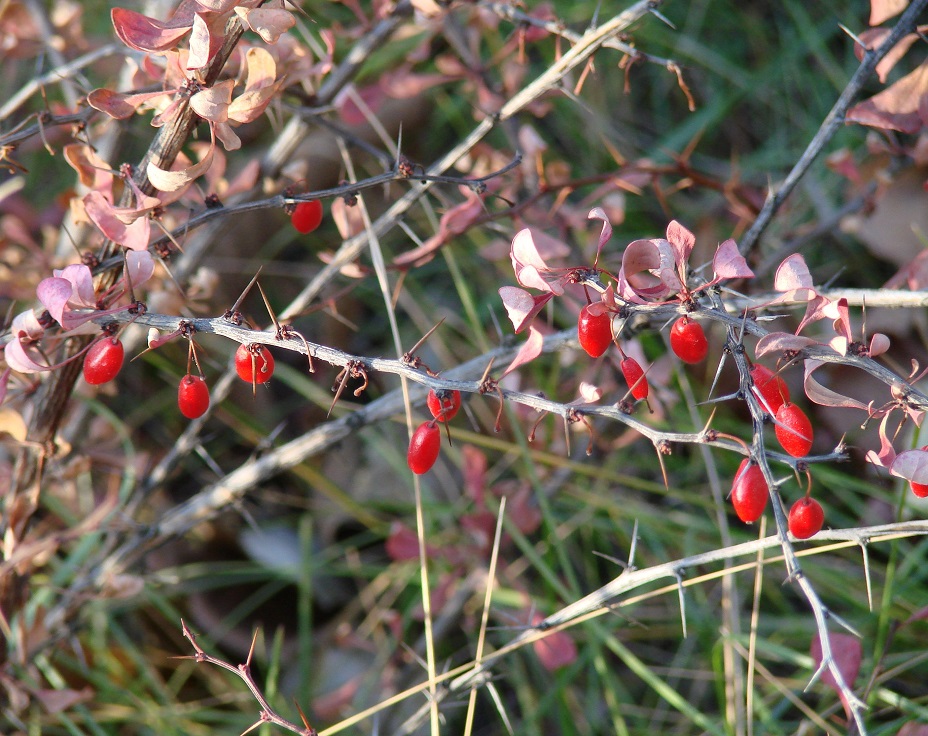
426, 440
253, 364
792, 427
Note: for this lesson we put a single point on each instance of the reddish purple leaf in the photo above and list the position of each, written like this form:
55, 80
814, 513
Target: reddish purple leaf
846, 653
142, 33
556, 649
118, 105
793, 274
913, 729
873, 38
879, 344
474, 471
54, 293
901, 106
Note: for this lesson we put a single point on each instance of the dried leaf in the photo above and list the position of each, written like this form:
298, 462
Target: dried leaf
118, 105
882, 10
13, 424
173, 181
556, 649
873, 38
269, 23
212, 103
901, 106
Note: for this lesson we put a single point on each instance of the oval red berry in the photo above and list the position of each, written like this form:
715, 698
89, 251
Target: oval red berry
688, 340
423, 448
594, 330
806, 518
192, 396
794, 430
749, 492
770, 388
254, 363
307, 216
103, 360
635, 378
444, 404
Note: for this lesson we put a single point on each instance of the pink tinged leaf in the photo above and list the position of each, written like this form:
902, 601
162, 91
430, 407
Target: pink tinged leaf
27, 325
528, 251
112, 222
22, 358
118, 105
598, 213
901, 106
879, 344
825, 396
530, 350
173, 181
217, 6
454, 222
911, 465
846, 653
885, 457
648, 271
81, 280
682, 241
212, 103
142, 33
842, 318
269, 23
778, 342
521, 306
818, 307
556, 649
204, 41
54, 294
793, 274
728, 263
139, 267
523, 511
913, 729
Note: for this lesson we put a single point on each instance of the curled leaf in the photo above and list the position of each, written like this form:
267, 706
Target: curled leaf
269, 23
598, 213
825, 396
528, 252
521, 306
118, 105
173, 181
648, 271
884, 458
142, 33
212, 103
530, 350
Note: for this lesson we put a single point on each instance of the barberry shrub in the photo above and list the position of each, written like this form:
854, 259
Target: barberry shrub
553, 253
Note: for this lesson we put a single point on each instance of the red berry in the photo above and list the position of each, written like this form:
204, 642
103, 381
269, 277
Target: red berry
254, 363
806, 518
103, 360
192, 396
635, 378
688, 341
594, 329
307, 216
771, 388
749, 492
794, 430
444, 404
424, 447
